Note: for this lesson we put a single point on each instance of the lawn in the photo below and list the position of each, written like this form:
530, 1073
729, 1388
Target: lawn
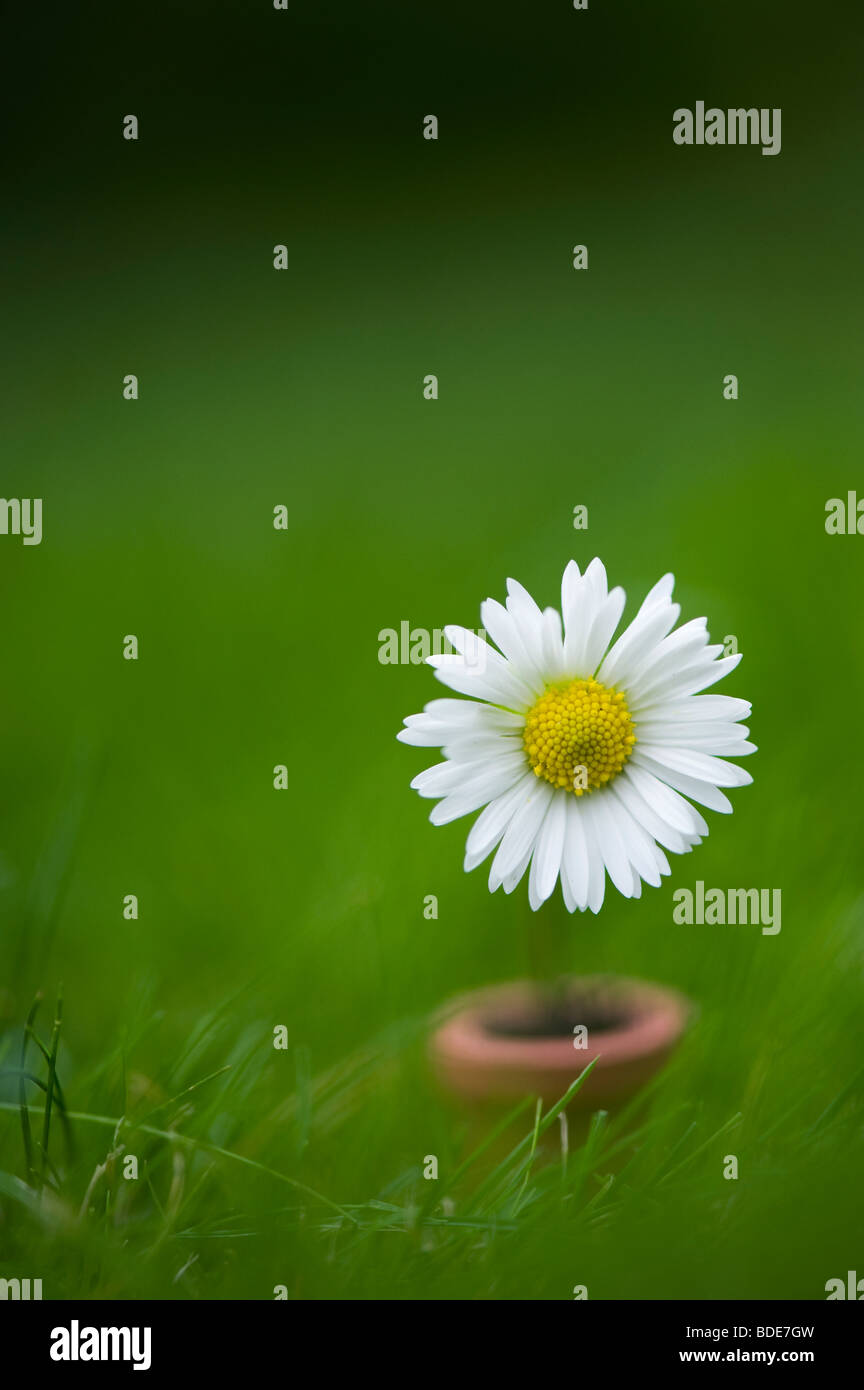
301, 1168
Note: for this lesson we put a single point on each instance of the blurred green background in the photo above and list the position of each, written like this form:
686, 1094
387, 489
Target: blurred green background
259, 647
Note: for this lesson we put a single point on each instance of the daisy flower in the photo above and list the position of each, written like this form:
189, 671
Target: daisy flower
585, 755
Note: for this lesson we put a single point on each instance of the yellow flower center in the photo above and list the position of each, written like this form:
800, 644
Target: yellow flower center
579, 735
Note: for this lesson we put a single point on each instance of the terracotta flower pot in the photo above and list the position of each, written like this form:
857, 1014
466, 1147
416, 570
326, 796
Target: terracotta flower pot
514, 1040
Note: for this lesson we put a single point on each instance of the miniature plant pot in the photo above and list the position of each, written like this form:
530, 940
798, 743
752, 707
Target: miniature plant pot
519, 1039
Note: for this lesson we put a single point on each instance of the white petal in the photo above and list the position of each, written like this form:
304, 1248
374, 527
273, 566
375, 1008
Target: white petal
493, 821
665, 802
702, 766
464, 800
553, 645
570, 581
569, 900
575, 856
610, 843
651, 820
517, 873
520, 835
503, 629
688, 680
644, 853
645, 631
582, 600
497, 683
679, 649
467, 748
725, 738
596, 869
703, 792
420, 735
468, 714
660, 594
447, 777
602, 630
479, 655
546, 861
698, 708
528, 620
441, 778
690, 732
445, 719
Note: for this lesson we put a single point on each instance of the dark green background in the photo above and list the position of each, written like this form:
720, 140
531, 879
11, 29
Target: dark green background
260, 647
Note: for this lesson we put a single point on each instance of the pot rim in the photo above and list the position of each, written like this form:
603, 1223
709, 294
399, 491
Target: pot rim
658, 1018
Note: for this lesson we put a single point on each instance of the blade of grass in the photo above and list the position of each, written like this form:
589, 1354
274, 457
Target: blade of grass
685, 1162
173, 1137
35, 1038
518, 1198
500, 1172
26, 1130
180, 1094
495, 1133
52, 1075
61, 1099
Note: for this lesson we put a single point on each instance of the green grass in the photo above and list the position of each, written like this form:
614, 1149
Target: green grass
304, 908
254, 1173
